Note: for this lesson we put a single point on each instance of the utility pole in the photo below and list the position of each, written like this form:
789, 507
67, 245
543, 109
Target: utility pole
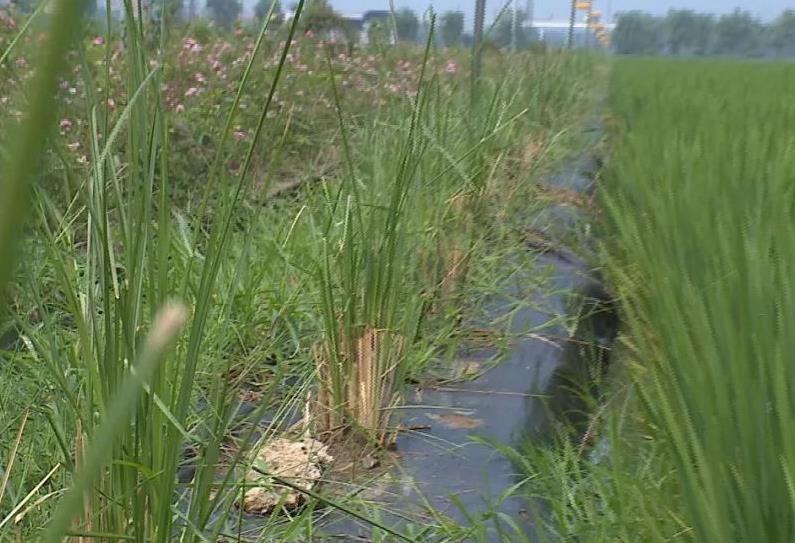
529, 13
589, 26
514, 22
572, 18
477, 39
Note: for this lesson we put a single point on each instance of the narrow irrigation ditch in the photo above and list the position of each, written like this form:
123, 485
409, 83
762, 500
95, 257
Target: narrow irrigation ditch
446, 463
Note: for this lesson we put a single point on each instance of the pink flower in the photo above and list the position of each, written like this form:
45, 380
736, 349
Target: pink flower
65, 124
179, 108
74, 146
199, 77
111, 103
309, 34
216, 65
249, 46
238, 32
8, 21
99, 40
451, 67
21, 62
240, 134
193, 91
191, 45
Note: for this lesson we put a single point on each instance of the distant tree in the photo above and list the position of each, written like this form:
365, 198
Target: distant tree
451, 27
424, 30
25, 6
782, 34
378, 33
686, 32
263, 7
224, 12
319, 16
408, 24
502, 33
704, 30
172, 9
352, 37
637, 33
739, 34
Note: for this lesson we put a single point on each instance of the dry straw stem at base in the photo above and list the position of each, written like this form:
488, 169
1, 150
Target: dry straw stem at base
369, 392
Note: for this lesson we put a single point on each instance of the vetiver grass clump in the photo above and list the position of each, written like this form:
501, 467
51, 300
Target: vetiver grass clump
154, 186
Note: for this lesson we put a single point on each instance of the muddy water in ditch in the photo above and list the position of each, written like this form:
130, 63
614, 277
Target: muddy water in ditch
449, 461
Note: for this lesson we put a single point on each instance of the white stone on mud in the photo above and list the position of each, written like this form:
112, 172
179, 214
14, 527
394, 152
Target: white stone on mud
297, 461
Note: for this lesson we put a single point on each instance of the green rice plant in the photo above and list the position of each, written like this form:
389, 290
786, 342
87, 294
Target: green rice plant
700, 195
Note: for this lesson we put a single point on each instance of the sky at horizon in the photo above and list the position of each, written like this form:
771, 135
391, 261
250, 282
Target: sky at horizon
559, 9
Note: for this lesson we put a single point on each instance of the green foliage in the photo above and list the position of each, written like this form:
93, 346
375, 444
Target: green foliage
687, 32
408, 25
320, 17
25, 6
636, 33
172, 9
224, 12
782, 34
263, 7
503, 32
379, 34
451, 28
738, 33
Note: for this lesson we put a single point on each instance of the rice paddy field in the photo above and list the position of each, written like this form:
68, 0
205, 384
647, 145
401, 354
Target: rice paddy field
693, 430
259, 284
